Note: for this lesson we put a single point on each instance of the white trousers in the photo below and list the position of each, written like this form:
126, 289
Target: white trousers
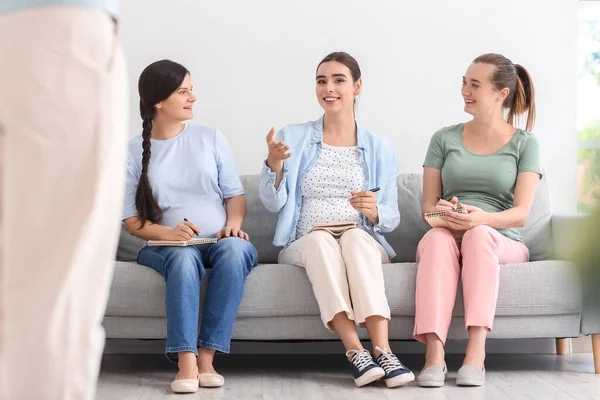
346, 275
63, 121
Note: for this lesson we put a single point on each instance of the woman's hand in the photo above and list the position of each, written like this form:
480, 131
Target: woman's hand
185, 230
366, 203
229, 231
277, 151
463, 222
443, 205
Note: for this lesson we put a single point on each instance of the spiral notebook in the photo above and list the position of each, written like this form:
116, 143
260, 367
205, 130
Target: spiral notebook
336, 229
433, 217
182, 243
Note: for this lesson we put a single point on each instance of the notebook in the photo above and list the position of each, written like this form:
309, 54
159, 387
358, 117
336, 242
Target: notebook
336, 229
181, 243
433, 217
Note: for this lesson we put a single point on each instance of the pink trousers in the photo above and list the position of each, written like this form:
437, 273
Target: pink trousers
438, 255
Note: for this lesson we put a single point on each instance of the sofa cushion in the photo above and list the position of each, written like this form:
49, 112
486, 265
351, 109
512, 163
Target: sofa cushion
259, 223
405, 239
535, 288
129, 245
537, 232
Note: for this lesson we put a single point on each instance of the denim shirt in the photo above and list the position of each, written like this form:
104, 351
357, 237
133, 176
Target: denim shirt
306, 142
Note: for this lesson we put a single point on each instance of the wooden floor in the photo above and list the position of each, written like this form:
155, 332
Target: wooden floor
290, 377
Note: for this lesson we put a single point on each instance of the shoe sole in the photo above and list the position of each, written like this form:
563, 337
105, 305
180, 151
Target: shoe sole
370, 376
469, 382
186, 388
212, 385
400, 380
430, 383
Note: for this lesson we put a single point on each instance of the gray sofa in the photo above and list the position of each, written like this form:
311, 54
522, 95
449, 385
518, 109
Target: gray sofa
539, 299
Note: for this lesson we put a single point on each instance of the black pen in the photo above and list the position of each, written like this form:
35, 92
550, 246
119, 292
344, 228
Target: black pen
375, 189
186, 220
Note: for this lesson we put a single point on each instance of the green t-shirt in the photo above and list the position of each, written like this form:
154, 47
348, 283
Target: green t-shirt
484, 181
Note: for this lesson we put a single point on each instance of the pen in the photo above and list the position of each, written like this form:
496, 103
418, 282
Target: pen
375, 189
186, 220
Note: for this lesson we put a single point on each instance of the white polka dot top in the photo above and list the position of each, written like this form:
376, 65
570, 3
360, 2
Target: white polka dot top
326, 188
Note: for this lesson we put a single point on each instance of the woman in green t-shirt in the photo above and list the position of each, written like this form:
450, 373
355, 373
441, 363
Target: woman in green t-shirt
491, 169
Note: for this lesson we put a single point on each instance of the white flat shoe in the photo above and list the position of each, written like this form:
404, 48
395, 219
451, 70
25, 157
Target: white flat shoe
432, 376
469, 375
184, 385
211, 380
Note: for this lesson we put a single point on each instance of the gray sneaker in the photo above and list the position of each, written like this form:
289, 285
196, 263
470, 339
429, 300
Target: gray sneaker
432, 376
469, 375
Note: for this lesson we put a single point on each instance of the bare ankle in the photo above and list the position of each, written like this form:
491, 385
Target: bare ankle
475, 359
187, 365
205, 361
435, 353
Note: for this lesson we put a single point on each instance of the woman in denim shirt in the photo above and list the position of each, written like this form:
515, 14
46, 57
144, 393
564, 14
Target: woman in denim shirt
331, 177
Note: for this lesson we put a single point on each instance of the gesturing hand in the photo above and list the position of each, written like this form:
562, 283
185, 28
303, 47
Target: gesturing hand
277, 150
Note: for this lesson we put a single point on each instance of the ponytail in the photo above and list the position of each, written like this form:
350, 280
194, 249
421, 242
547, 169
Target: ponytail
521, 96
524, 98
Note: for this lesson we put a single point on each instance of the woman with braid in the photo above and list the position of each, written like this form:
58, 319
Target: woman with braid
182, 182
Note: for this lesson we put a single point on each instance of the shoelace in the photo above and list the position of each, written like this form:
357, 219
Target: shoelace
389, 362
360, 358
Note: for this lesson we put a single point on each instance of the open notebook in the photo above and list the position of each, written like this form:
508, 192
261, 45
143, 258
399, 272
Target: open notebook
191, 242
336, 229
433, 217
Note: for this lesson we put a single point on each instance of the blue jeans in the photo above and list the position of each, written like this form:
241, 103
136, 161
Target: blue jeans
231, 260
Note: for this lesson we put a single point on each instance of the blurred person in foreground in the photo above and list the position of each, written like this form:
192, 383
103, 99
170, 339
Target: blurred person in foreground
62, 151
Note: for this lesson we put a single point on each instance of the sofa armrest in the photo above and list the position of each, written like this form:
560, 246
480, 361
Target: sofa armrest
576, 239
566, 229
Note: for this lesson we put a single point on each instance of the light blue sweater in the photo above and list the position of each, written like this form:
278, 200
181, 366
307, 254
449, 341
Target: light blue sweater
110, 6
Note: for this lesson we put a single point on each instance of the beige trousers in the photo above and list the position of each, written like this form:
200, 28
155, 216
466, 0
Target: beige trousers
345, 274
63, 111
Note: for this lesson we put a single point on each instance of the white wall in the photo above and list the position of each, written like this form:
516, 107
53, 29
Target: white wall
253, 64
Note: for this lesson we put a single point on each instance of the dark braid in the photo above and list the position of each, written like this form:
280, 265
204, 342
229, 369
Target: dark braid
147, 206
157, 82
